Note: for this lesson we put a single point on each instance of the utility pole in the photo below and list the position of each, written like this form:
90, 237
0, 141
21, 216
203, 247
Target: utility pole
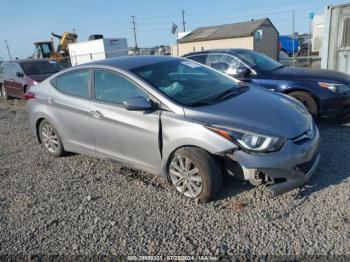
183, 20
8, 49
293, 38
134, 28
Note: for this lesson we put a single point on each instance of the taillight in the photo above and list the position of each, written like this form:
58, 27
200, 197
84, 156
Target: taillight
29, 95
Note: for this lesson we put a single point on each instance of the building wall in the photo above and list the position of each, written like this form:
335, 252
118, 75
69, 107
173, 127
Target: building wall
335, 50
184, 48
268, 44
317, 33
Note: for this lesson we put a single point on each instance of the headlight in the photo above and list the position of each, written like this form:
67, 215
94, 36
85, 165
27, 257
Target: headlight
335, 88
250, 141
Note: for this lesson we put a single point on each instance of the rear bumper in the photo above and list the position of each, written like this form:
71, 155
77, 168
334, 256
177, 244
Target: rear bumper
284, 170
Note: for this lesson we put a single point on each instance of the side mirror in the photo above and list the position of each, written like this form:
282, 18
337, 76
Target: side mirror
19, 74
242, 71
137, 103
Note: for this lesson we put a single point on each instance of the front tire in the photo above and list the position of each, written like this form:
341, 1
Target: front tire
50, 139
307, 100
195, 174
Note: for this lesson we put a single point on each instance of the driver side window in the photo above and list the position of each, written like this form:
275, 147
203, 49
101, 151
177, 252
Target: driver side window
224, 63
114, 88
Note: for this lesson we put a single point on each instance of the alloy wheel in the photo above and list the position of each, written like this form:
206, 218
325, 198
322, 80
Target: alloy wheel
185, 176
50, 138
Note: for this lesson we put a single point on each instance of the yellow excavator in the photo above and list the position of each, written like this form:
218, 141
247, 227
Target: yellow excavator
46, 49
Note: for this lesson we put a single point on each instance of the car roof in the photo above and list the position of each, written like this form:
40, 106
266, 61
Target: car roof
130, 62
224, 50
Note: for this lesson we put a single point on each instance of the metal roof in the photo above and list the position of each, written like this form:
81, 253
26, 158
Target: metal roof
235, 30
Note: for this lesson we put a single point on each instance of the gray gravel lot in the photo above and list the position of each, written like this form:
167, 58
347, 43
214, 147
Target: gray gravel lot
79, 205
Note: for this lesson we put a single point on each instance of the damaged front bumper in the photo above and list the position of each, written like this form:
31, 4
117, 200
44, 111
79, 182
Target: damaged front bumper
283, 170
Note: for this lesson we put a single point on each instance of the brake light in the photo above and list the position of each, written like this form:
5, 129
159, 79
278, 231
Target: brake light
29, 95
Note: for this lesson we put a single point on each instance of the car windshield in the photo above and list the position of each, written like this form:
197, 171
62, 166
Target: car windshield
188, 83
41, 67
258, 60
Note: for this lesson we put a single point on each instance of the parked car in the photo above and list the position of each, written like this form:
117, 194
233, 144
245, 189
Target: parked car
176, 118
19, 75
324, 93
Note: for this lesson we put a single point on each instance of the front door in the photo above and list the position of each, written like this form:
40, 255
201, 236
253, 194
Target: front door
127, 136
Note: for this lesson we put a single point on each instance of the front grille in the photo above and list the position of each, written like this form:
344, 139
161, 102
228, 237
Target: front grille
306, 166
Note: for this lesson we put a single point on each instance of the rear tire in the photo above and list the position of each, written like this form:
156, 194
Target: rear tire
198, 176
307, 100
50, 139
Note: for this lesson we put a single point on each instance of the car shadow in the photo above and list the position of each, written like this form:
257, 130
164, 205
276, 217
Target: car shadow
232, 186
334, 167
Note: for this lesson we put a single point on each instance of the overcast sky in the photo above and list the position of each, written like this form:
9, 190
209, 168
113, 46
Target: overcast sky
24, 22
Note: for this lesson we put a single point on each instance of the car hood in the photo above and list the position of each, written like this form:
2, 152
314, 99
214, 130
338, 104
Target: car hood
40, 77
256, 110
309, 74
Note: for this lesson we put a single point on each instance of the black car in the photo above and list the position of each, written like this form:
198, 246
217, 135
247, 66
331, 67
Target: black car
325, 93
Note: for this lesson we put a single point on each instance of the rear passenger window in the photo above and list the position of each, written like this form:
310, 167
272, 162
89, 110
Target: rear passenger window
198, 58
74, 83
112, 87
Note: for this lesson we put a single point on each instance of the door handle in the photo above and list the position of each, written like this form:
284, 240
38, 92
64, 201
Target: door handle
96, 114
50, 100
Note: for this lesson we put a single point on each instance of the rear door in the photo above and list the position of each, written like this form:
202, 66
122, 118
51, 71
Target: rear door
127, 136
69, 107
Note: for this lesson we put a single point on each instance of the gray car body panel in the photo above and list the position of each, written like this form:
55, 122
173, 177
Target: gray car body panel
147, 140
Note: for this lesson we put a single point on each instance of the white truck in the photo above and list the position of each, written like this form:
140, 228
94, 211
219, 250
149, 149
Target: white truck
84, 52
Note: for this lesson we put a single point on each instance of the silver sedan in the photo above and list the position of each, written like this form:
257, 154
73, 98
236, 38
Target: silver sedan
176, 118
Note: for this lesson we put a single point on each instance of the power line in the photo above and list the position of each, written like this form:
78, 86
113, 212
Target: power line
8, 49
183, 20
134, 29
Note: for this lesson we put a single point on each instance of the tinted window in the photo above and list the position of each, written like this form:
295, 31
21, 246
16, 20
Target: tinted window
258, 60
42, 67
74, 83
16, 69
224, 63
186, 82
198, 58
112, 87
6, 68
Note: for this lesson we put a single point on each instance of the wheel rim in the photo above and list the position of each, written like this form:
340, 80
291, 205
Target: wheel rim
185, 176
49, 137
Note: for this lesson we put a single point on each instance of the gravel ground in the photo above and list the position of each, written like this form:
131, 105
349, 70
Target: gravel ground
78, 205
